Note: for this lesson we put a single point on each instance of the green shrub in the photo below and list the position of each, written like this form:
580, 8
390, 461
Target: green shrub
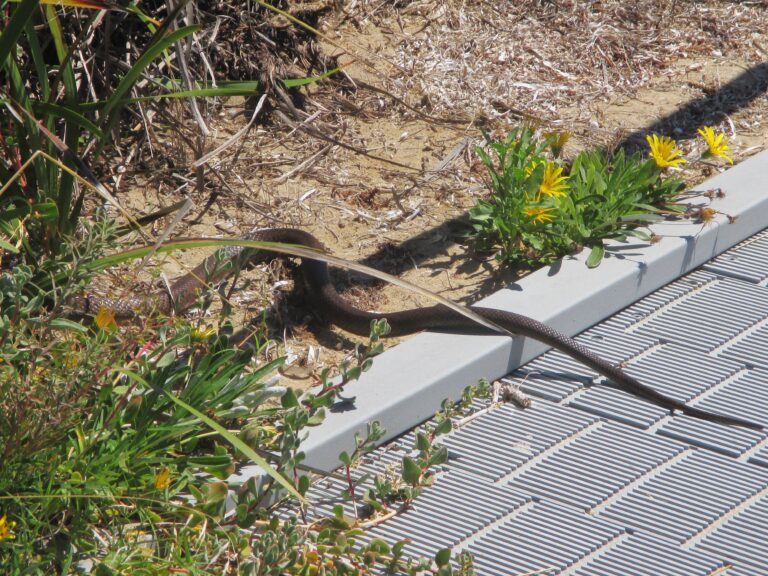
539, 209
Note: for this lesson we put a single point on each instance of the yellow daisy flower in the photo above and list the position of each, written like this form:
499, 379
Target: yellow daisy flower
202, 334
715, 143
163, 478
539, 214
105, 318
553, 183
6, 528
664, 151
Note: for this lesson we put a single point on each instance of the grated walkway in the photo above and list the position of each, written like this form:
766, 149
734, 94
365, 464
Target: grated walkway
592, 481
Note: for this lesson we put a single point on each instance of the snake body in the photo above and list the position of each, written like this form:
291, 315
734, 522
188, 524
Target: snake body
185, 291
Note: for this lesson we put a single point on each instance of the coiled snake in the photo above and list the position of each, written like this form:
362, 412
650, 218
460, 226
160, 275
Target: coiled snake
186, 289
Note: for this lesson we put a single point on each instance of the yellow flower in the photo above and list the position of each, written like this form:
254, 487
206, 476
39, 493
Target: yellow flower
715, 143
553, 183
201, 334
163, 478
539, 214
106, 318
6, 529
664, 151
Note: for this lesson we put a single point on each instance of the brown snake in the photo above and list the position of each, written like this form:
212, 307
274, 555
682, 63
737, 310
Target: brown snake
214, 269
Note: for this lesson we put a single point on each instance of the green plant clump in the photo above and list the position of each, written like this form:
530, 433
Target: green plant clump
118, 446
540, 209
118, 442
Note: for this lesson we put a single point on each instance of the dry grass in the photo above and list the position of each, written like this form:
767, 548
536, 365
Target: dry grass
479, 63
545, 56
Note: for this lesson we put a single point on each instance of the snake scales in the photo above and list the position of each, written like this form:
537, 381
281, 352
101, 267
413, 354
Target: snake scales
184, 293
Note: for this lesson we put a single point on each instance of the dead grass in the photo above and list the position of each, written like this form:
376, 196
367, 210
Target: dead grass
489, 58
381, 155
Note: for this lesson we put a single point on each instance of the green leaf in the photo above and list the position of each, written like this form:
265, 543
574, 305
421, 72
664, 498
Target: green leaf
167, 359
653, 216
221, 472
44, 210
241, 512
64, 324
397, 549
289, 399
104, 570
67, 113
317, 418
196, 492
9, 247
411, 471
596, 256
379, 546
641, 234
443, 557
304, 483
443, 428
439, 457
422, 442
354, 373
215, 491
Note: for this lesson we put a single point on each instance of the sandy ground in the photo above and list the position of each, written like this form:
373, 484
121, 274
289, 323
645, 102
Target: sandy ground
378, 161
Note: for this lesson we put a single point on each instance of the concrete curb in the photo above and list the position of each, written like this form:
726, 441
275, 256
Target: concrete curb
407, 383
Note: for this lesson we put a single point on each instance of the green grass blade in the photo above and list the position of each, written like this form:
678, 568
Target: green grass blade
112, 110
247, 88
11, 33
26, 130
228, 436
294, 82
241, 89
63, 182
36, 52
67, 113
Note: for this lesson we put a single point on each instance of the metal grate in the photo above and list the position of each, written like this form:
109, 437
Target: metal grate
743, 541
592, 481
745, 261
684, 499
649, 556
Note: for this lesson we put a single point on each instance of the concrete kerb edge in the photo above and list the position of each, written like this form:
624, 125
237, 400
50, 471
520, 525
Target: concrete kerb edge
407, 383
